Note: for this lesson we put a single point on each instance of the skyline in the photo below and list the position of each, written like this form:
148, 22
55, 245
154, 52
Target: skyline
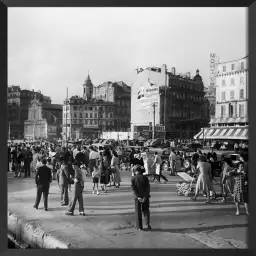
52, 53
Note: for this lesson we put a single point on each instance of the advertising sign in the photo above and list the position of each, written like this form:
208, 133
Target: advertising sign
145, 97
213, 68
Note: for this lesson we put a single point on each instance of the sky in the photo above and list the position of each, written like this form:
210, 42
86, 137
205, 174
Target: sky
50, 49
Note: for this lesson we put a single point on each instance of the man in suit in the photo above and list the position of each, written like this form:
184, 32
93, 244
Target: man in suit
141, 190
78, 191
63, 182
43, 179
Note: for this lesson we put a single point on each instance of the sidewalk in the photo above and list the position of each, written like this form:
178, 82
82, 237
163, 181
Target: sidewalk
109, 221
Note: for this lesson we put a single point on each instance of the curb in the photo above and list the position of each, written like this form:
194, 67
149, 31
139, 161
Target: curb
217, 242
32, 235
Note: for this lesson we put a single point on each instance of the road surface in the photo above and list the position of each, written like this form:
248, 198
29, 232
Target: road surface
177, 221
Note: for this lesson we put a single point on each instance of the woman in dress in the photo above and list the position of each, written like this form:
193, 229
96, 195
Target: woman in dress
104, 178
204, 181
241, 188
115, 168
227, 180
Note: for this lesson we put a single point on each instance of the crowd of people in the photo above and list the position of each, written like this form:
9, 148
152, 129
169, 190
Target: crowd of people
73, 164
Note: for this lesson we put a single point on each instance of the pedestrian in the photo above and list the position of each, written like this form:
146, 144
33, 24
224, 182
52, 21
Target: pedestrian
157, 163
115, 169
141, 190
103, 165
79, 156
19, 162
93, 157
64, 180
95, 179
172, 160
204, 181
227, 180
28, 158
43, 179
86, 156
77, 192
178, 162
241, 188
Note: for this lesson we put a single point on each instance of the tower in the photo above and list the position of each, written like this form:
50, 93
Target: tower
88, 89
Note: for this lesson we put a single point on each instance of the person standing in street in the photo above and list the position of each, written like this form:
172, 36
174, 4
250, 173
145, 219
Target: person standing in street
77, 192
43, 179
172, 160
27, 162
204, 180
63, 182
158, 162
141, 190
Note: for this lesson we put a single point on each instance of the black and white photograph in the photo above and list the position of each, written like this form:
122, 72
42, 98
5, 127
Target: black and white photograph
128, 128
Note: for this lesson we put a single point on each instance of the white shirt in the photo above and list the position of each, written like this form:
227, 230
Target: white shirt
93, 155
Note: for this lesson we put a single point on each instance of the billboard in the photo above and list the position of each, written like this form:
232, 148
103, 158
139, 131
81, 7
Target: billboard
145, 97
213, 69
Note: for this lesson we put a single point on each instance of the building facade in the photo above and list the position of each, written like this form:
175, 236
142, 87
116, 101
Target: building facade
44, 121
18, 102
100, 109
231, 106
172, 103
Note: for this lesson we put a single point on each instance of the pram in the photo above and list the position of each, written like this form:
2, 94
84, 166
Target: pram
186, 188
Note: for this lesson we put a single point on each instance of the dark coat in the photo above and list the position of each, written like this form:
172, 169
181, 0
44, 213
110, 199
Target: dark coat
43, 176
140, 186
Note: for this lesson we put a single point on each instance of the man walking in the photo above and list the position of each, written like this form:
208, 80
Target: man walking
43, 179
141, 189
63, 182
77, 192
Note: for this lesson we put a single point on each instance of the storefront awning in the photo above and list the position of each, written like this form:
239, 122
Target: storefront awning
227, 133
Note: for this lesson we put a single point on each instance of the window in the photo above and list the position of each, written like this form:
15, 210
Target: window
224, 68
241, 94
241, 80
242, 65
80, 115
232, 81
95, 115
223, 96
233, 67
85, 121
90, 121
241, 110
74, 115
90, 115
232, 95
222, 111
86, 115
223, 83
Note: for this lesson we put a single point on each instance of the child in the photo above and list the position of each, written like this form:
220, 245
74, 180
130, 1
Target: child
95, 179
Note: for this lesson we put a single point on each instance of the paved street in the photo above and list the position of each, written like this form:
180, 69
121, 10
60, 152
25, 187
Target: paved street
177, 221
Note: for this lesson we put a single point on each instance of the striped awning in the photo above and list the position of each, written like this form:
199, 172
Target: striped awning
226, 133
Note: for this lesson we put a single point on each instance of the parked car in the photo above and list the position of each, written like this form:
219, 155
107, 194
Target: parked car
193, 146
